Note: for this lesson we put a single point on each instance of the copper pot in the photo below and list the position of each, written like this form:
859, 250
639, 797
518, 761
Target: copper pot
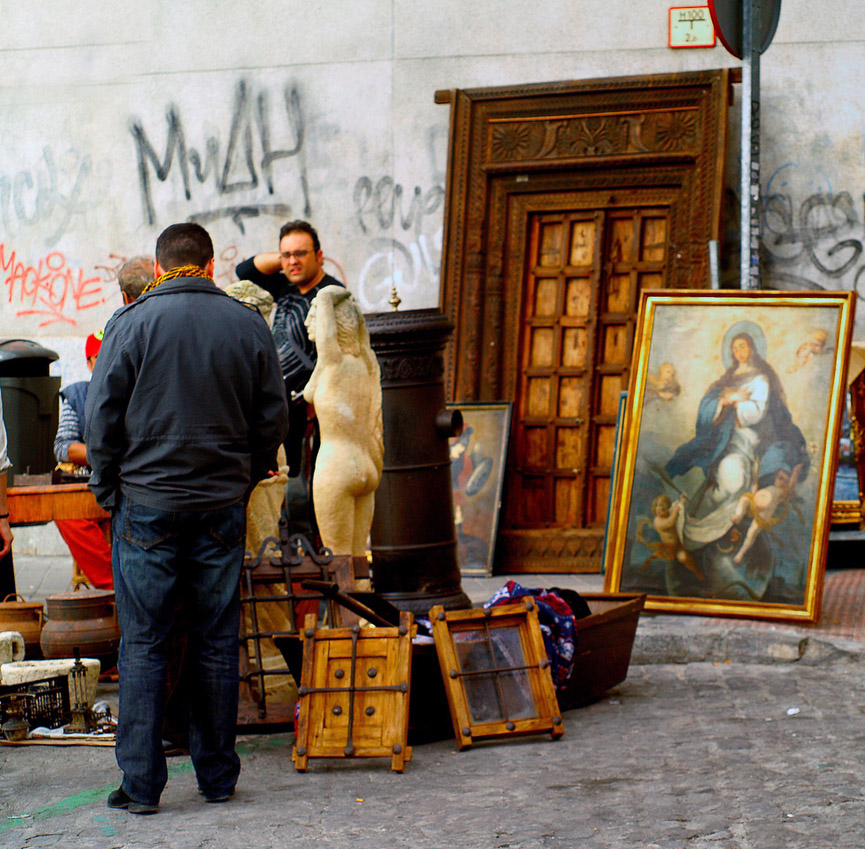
25, 617
84, 619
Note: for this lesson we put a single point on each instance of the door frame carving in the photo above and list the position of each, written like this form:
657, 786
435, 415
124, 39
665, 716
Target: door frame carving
614, 135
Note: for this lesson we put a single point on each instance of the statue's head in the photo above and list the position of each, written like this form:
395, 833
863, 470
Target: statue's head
349, 319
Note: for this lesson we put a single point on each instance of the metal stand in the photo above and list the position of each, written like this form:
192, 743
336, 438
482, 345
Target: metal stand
749, 188
292, 560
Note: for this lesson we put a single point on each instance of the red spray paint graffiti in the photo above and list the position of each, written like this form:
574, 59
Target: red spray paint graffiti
51, 289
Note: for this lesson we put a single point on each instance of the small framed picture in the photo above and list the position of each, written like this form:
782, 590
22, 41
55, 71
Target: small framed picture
477, 475
724, 488
847, 507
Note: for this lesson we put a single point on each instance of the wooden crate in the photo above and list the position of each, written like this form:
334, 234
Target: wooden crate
604, 643
354, 693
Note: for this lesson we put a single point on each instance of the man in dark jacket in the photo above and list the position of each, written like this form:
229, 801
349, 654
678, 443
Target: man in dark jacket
185, 411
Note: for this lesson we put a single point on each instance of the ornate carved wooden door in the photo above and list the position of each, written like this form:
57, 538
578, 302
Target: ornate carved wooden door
583, 272
564, 200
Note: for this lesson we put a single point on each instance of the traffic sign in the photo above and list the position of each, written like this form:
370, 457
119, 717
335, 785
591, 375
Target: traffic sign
727, 18
691, 26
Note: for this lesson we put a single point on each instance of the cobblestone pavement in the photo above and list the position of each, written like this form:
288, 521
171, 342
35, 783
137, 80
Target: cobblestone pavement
753, 738
697, 755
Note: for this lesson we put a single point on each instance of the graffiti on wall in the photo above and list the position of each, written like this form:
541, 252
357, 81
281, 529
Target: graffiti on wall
403, 230
814, 241
49, 289
408, 260
248, 162
44, 195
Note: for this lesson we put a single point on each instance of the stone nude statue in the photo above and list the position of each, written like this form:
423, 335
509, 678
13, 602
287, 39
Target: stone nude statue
345, 390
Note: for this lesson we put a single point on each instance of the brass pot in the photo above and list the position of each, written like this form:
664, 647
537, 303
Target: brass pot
84, 619
25, 617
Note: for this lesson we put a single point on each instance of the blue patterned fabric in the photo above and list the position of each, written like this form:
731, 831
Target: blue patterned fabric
557, 623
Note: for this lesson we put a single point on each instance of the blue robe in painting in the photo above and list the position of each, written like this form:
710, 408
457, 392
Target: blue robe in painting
781, 445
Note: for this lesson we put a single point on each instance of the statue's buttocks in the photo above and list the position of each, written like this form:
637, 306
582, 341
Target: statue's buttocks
345, 390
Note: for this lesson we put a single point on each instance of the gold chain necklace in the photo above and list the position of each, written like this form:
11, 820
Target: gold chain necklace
182, 271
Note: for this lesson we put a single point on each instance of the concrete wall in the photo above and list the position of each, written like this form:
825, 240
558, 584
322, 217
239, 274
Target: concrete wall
125, 118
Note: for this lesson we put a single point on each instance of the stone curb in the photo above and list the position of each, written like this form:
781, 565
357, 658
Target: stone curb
669, 639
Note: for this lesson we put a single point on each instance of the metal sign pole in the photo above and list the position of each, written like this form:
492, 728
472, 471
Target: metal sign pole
749, 261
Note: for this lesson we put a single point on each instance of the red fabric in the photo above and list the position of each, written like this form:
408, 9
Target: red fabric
90, 549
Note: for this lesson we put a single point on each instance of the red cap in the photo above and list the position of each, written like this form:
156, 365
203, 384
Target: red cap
93, 344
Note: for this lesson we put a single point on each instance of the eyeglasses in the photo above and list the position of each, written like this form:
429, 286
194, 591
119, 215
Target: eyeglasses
287, 255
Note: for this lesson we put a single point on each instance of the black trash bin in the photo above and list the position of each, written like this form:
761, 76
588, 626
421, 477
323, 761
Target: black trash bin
30, 406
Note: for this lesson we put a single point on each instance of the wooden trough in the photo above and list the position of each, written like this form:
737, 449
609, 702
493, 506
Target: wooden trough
604, 643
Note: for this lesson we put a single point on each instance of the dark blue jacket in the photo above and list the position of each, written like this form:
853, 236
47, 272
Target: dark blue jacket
186, 406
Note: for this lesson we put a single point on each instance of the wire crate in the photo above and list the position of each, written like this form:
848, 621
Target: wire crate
49, 707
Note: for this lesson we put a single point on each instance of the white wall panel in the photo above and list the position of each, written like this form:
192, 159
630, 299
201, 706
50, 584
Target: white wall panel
127, 117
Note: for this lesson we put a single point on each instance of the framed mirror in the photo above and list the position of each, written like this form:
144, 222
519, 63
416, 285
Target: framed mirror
496, 672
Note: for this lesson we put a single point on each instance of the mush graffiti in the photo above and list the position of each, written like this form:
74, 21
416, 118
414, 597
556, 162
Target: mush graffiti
248, 160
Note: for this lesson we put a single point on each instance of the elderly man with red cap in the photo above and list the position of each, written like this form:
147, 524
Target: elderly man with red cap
87, 538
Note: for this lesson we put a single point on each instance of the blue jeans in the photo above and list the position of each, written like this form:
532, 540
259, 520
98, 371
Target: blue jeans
193, 558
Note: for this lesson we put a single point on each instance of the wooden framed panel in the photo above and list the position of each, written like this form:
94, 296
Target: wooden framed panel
496, 672
354, 693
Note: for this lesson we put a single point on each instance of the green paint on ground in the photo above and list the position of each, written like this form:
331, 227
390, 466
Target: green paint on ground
99, 794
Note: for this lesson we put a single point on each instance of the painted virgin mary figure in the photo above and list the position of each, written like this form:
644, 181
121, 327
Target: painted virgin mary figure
745, 437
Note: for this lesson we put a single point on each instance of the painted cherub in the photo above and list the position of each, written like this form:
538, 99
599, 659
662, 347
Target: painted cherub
813, 346
763, 505
664, 385
670, 547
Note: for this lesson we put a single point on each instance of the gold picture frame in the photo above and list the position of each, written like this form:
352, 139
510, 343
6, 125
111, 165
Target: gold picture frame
724, 489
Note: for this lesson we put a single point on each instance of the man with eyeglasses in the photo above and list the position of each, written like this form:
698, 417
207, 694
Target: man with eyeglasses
293, 276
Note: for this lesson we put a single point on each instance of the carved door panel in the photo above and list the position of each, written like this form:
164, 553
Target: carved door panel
563, 201
583, 272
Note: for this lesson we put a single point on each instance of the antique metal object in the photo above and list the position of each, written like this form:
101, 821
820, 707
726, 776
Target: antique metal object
16, 726
274, 602
83, 719
413, 538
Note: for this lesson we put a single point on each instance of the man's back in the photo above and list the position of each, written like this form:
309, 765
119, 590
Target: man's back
188, 379
185, 412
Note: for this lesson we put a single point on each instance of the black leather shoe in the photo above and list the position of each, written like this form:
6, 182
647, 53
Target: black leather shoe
223, 798
118, 799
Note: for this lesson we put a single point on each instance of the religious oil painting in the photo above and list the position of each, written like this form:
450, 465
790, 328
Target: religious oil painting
477, 474
725, 486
